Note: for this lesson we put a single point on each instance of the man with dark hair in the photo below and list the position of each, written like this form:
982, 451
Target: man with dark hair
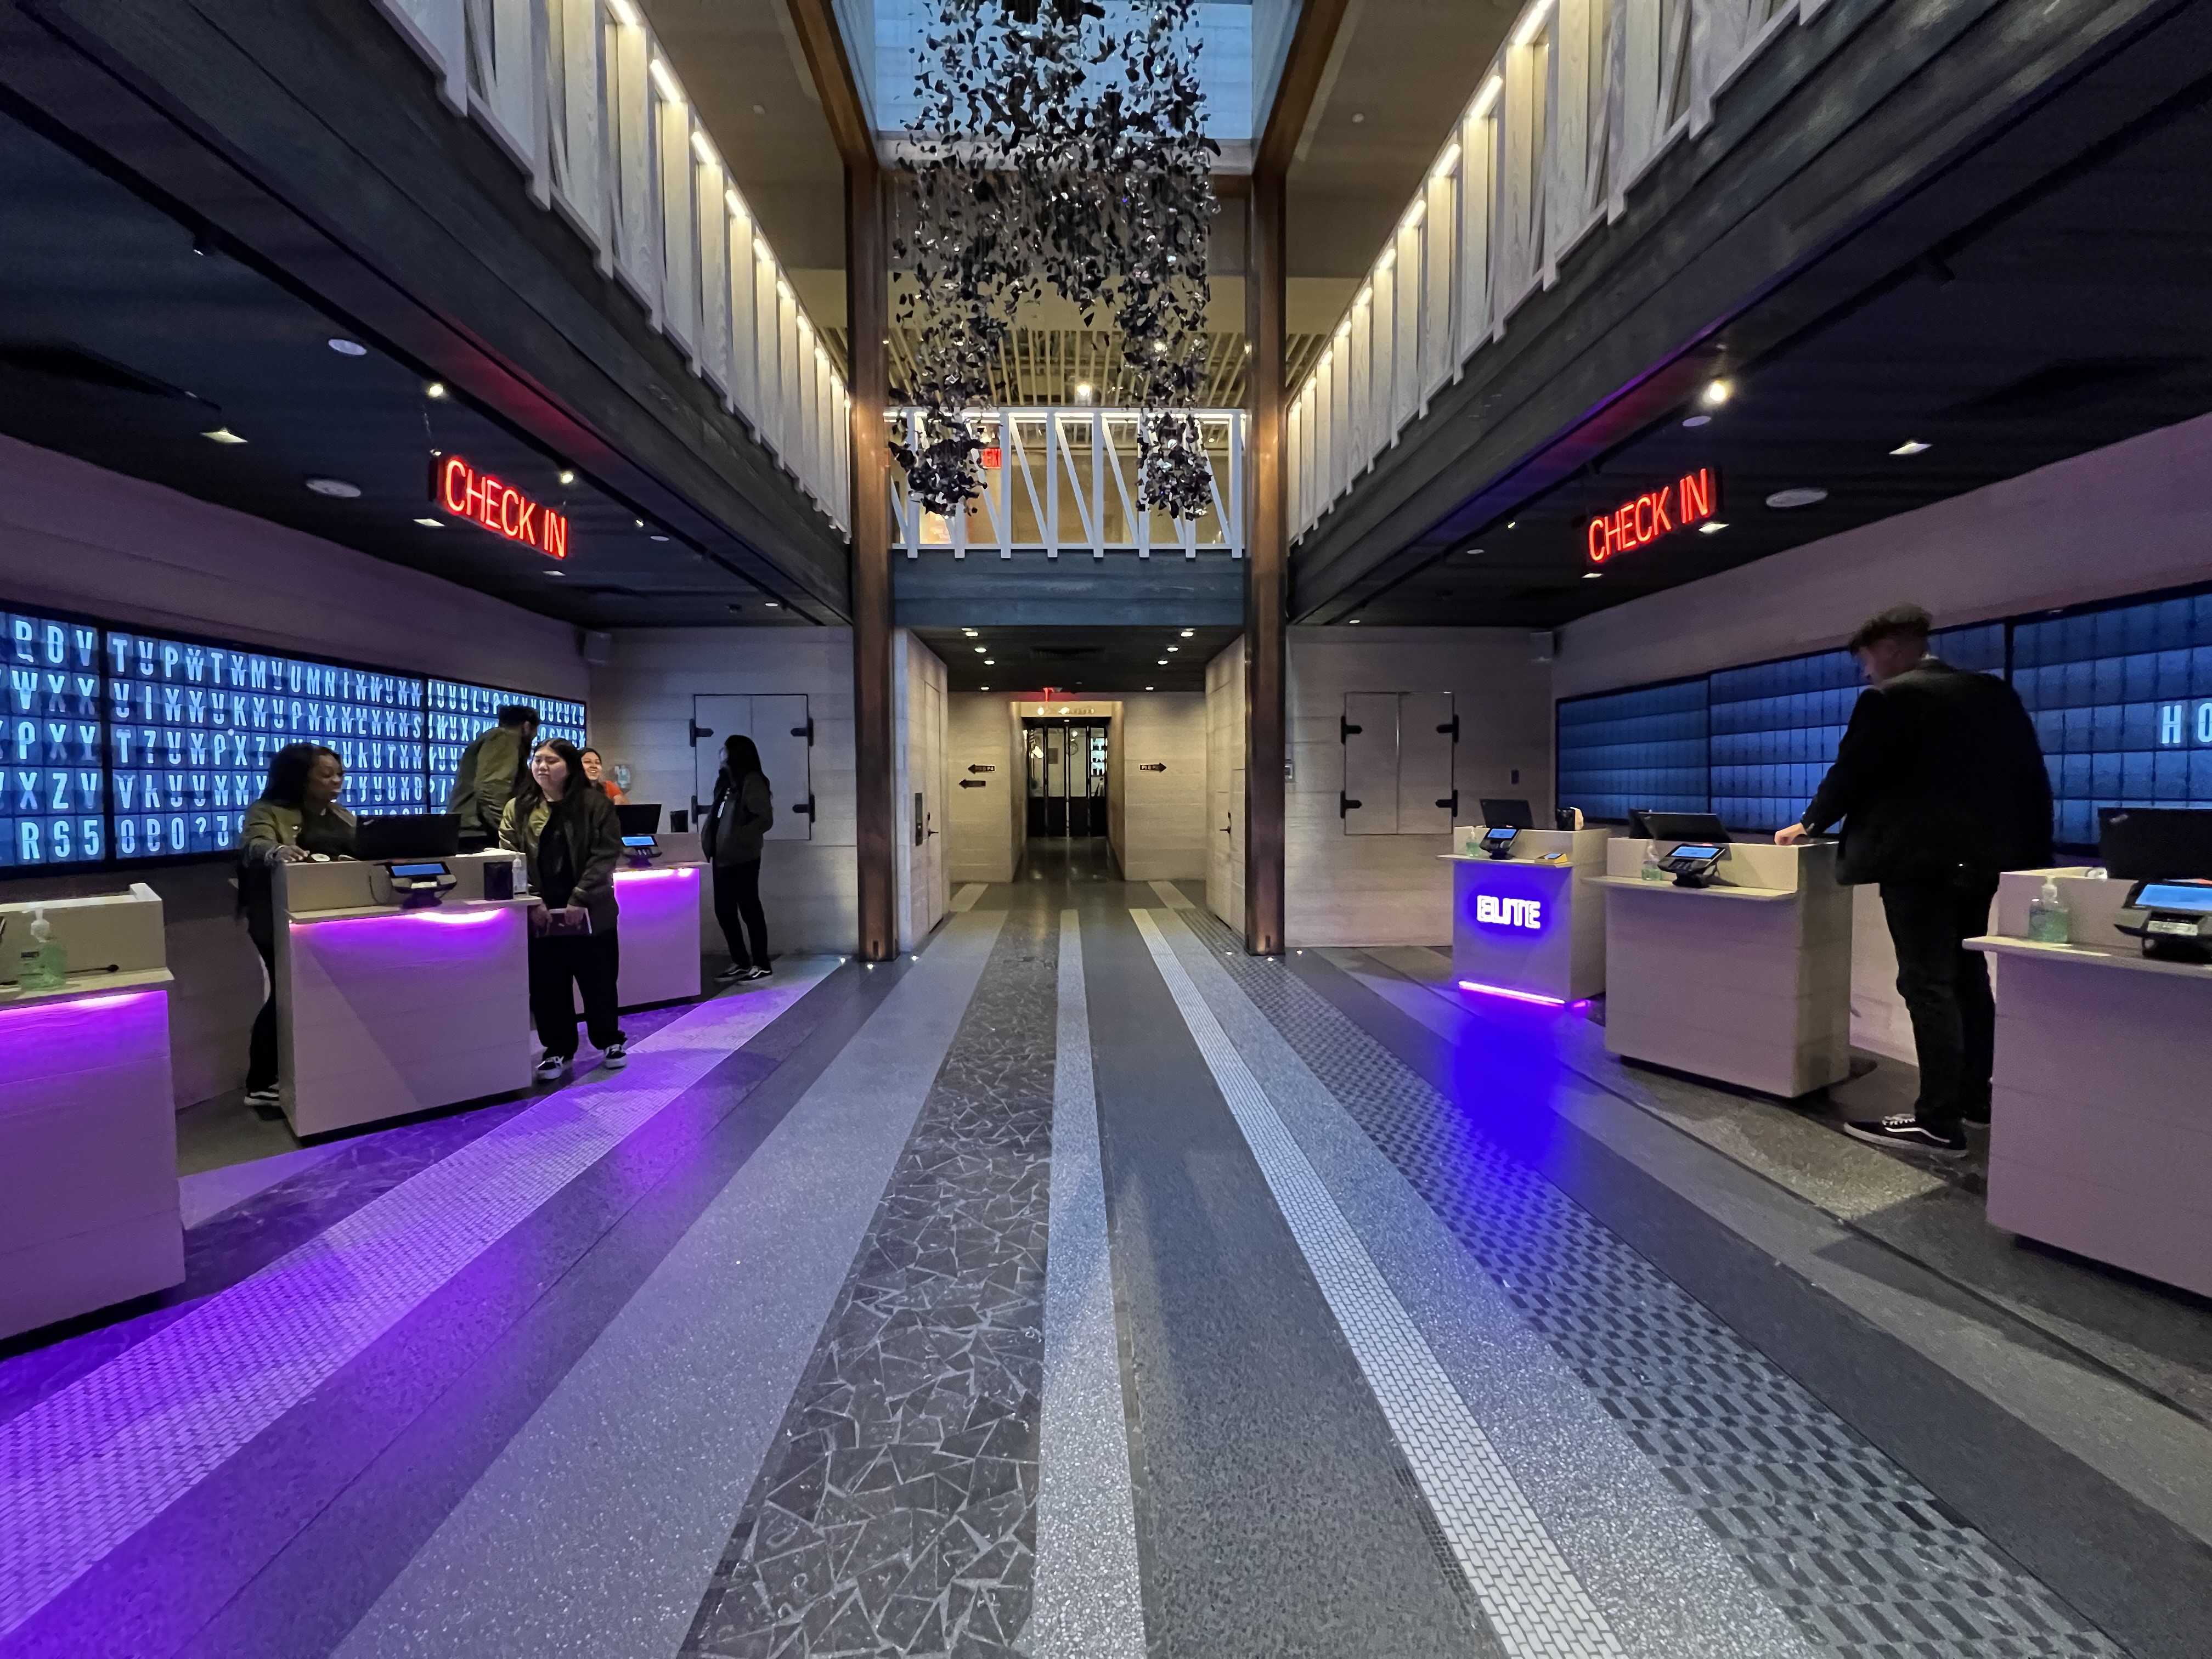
490, 767
1940, 784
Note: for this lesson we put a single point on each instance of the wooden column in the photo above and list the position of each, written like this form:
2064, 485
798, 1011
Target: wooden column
867, 312
1266, 569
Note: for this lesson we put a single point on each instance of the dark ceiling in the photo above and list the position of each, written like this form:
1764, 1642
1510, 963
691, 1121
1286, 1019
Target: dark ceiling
1095, 661
2078, 316
122, 341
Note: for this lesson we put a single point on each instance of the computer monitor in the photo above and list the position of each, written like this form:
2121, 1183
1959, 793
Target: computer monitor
430, 836
1507, 814
640, 820
2153, 843
1681, 826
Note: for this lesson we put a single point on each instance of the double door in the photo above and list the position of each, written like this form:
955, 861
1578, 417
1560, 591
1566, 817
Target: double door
1066, 777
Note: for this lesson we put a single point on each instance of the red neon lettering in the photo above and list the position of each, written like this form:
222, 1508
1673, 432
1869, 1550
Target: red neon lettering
1599, 550
556, 534
1698, 495
1643, 531
1659, 512
500, 507
530, 522
455, 467
510, 524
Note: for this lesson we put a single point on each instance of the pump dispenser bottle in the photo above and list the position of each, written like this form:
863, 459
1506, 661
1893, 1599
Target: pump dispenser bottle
2048, 922
43, 963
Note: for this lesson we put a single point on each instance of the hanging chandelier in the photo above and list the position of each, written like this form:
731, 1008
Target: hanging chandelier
1055, 152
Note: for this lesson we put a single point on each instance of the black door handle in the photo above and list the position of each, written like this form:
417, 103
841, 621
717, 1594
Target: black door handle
699, 731
1345, 803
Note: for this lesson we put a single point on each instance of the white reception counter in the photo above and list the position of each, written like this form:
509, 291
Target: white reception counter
1530, 926
1747, 983
88, 1212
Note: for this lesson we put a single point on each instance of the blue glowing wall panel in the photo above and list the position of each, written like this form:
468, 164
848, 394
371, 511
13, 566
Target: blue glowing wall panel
52, 794
459, 712
191, 729
2121, 700
1645, 748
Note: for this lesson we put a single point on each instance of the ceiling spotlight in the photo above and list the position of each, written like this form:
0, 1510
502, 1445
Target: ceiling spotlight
969, 632
1592, 575
223, 435
990, 662
335, 487
435, 389
1513, 524
981, 650
1715, 393
1083, 391
771, 603
1698, 420
640, 524
431, 524
565, 476
349, 347
1712, 526
1352, 620
557, 572
1189, 632
1147, 688
1175, 647
656, 538
1783, 500
1164, 662
1912, 446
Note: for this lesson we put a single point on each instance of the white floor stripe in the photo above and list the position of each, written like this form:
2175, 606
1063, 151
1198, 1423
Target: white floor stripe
1171, 894
1087, 1603
966, 897
89, 1465
1534, 1601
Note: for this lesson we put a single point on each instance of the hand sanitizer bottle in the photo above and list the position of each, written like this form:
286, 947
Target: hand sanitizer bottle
2048, 922
1653, 870
44, 963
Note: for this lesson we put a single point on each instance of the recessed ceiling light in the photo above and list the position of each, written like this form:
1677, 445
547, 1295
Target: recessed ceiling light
223, 435
1189, 632
1698, 420
981, 650
1592, 575
771, 603
1715, 393
1912, 446
435, 389
565, 476
337, 487
1513, 524
1784, 500
656, 538
1147, 688
349, 347
557, 572
969, 632
1164, 662
1712, 526
433, 524
1352, 622
990, 662
1175, 647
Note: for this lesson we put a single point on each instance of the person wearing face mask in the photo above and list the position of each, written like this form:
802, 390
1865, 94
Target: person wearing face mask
571, 840
1939, 783
595, 771
297, 817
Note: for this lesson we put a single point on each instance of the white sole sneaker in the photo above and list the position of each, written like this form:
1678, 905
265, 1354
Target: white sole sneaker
547, 1070
614, 1059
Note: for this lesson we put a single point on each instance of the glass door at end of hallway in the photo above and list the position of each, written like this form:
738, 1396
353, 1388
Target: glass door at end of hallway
1066, 777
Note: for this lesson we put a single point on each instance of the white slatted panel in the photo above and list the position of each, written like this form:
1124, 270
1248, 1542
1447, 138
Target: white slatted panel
679, 290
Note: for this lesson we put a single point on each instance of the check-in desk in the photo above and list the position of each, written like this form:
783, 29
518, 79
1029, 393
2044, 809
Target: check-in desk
1530, 926
660, 929
88, 1212
2101, 1128
384, 1010
1747, 982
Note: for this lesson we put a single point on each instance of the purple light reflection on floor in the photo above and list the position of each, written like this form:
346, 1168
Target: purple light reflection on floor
1506, 1076
89, 1464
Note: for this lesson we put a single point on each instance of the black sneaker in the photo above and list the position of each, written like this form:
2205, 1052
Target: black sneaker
1908, 1132
733, 974
758, 973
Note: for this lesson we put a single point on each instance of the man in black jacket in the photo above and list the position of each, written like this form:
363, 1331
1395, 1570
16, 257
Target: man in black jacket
1939, 783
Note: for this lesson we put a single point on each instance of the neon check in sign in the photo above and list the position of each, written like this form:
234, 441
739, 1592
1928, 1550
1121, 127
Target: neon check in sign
499, 506
1493, 910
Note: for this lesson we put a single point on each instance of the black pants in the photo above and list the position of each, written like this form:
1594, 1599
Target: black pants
737, 898
1946, 989
261, 1046
591, 963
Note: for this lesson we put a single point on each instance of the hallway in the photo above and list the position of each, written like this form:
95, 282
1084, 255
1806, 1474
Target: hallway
1079, 1286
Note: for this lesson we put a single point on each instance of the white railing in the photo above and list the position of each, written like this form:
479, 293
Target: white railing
580, 95
1064, 479
1579, 102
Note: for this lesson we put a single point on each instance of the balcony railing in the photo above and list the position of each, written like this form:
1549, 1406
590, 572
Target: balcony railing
1060, 479
581, 97
1580, 101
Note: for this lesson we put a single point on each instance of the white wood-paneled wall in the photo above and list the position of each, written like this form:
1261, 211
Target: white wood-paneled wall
579, 95
1583, 96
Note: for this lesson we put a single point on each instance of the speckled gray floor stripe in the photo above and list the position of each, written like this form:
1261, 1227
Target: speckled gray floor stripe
1089, 1603
1861, 1557
1531, 1601
1670, 1588
896, 1512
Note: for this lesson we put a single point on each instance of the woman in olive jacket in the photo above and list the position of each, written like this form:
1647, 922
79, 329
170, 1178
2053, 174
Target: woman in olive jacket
570, 839
297, 817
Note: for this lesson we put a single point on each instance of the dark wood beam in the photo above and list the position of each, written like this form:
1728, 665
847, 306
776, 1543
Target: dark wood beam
1266, 565
867, 307
831, 67
1312, 39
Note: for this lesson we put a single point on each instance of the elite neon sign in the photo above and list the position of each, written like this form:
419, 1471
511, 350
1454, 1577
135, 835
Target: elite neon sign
1494, 910
1688, 501
498, 507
